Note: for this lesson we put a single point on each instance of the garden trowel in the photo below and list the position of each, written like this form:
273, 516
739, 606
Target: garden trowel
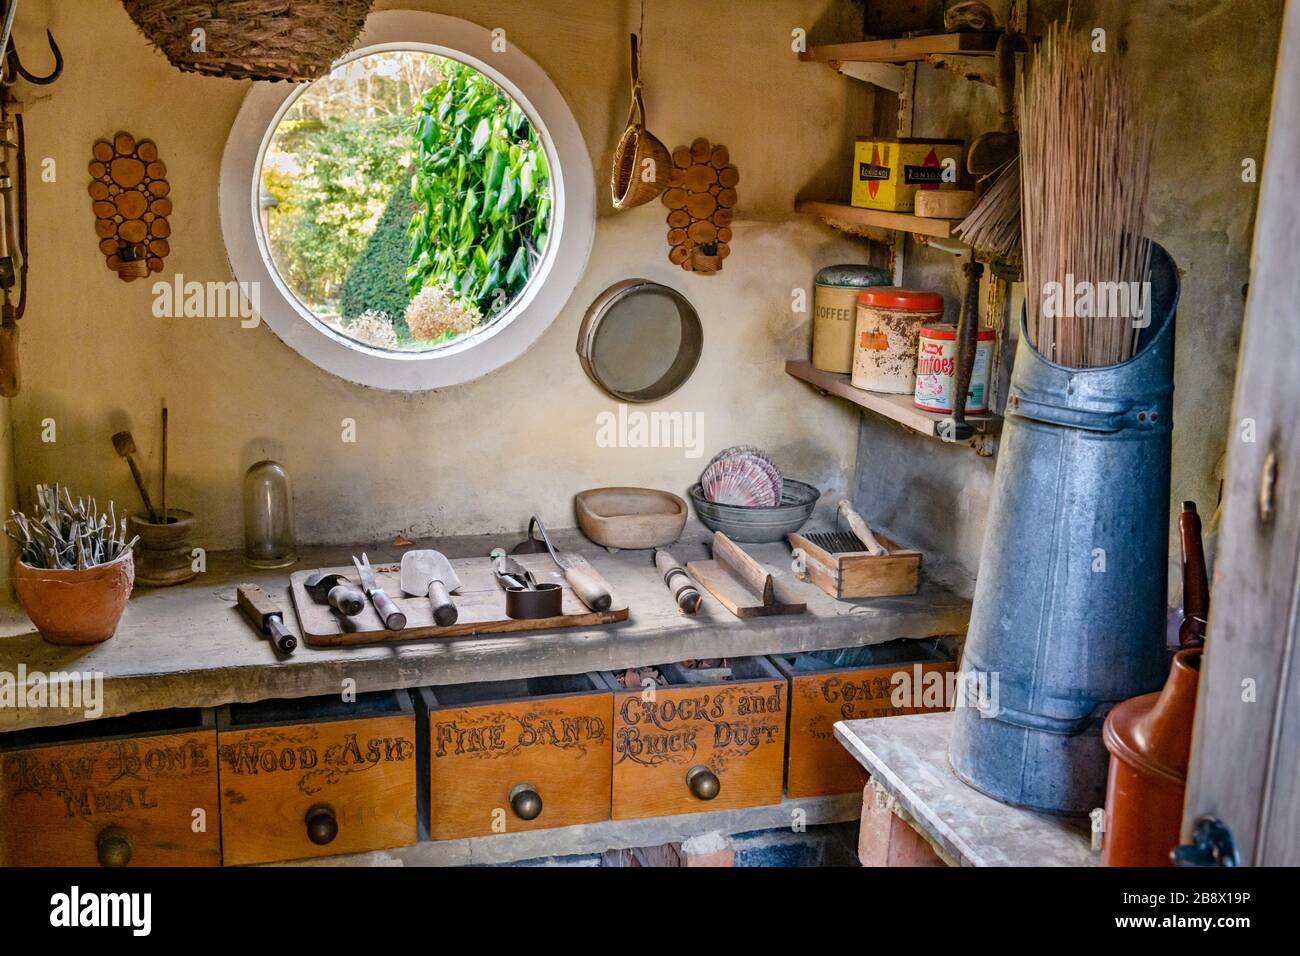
429, 573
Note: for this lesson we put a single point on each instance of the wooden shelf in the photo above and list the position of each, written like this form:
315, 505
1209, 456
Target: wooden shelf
855, 215
898, 408
904, 49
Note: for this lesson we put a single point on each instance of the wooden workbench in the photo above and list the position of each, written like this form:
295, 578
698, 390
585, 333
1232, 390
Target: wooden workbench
188, 646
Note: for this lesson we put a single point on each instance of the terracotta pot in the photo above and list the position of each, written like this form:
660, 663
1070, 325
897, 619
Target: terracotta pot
1150, 744
163, 553
75, 607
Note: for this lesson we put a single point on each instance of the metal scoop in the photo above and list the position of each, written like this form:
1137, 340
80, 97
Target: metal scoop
429, 573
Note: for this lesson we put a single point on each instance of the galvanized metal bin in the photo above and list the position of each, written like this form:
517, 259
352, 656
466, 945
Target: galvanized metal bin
1069, 611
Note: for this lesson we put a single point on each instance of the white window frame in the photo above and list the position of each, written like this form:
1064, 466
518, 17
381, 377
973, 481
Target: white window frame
573, 214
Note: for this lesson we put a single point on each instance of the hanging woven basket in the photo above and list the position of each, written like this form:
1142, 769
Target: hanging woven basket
642, 164
295, 40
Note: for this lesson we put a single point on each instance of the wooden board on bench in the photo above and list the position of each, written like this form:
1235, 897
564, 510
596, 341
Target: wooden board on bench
481, 604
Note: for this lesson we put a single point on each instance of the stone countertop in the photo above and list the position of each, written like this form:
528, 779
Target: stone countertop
189, 646
907, 758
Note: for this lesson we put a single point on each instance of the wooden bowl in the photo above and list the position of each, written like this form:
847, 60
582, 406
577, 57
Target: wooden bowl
631, 518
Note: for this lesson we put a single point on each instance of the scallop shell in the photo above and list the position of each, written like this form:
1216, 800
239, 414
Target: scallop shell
759, 455
734, 450
738, 481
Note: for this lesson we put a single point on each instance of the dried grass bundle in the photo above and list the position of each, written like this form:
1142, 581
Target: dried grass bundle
993, 225
1085, 171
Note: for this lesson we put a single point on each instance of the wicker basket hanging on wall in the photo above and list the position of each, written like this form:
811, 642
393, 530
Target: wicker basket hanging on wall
295, 40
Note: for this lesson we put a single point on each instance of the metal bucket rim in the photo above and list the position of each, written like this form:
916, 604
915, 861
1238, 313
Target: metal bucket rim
1165, 320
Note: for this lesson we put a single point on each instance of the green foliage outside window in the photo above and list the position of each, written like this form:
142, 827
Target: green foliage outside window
482, 191
400, 171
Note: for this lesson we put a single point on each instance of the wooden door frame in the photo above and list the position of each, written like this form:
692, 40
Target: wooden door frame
1246, 750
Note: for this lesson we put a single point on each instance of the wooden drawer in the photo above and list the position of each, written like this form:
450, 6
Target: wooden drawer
316, 776
822, 694
732, 729
139, 790
497, 748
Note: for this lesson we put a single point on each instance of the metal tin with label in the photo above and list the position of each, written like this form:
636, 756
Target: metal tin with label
835, 312
889, 318
936, 369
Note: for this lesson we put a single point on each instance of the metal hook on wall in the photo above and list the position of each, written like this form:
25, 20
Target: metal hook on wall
9, 53
15, 63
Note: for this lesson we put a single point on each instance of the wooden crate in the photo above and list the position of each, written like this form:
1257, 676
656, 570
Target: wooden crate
735, 729
860, 574
282, 760
482, 741
139, 790
817, 763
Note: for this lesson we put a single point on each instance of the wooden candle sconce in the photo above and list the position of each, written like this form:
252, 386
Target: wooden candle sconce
129, 193
700, 197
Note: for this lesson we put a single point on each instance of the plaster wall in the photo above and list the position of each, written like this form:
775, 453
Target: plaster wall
474, 458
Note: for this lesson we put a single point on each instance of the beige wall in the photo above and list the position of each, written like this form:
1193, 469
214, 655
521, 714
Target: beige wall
477, 457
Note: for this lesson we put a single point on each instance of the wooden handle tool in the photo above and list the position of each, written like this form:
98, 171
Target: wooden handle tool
1196, 581
124, 445
590, 587
444, 609
860, 529
968, 330
586, 581
266, 616
683, 589
336, 591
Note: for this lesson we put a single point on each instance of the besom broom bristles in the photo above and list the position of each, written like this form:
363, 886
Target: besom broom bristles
993, 225
1085, 171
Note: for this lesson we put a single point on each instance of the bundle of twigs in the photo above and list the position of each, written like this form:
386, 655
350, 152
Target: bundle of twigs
67, 535
1085, 168
993, 225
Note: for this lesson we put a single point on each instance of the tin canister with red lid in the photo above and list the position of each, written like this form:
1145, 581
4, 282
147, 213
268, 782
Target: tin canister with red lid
936, 370
889, 320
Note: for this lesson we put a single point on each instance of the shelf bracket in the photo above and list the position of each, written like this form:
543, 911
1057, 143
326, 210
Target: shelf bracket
887, 76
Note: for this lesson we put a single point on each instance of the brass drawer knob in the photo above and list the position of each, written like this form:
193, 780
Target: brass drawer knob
525, 801
322, 825
703, 782
113, 846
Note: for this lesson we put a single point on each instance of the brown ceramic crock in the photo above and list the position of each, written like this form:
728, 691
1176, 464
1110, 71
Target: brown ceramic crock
75, 607
163, 555
1150, 744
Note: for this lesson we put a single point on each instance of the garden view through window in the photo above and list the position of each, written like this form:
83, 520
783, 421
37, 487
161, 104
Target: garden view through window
405, 200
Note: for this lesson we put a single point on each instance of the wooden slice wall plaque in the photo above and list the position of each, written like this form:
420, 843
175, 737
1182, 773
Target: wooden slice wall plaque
131, 200
700, 198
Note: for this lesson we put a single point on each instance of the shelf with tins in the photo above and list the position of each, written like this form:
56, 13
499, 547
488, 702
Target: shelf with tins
897, 408
856, 216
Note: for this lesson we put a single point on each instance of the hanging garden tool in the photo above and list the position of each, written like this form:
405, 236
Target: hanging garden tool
968, 327
13, 196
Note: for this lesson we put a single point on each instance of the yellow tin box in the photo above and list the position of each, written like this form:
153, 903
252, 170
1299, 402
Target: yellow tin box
887, 172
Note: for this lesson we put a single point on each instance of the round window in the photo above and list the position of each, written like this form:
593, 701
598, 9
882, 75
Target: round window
417, 217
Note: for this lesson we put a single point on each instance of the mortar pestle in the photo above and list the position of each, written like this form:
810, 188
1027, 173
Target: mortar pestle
163, 555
